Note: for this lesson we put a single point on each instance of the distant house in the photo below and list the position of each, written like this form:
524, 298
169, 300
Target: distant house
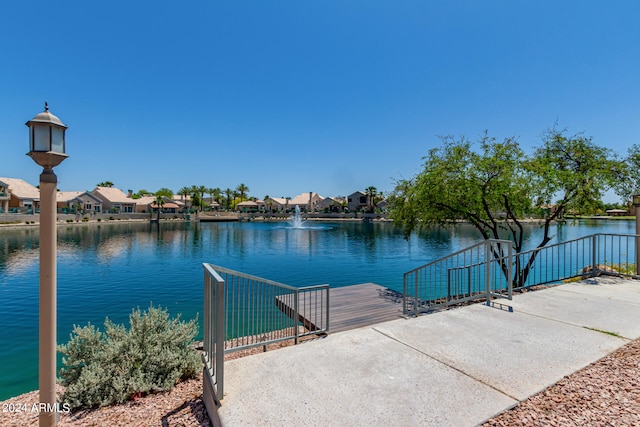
114, 200
357, 201
307, 202
22, 196
330, 204
143, 203
147, 204
277, 204
4, 197
250, 206
383, 206
169, 207
184, 202
617, 212
78, 201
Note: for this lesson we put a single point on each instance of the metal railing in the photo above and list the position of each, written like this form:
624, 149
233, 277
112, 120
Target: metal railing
490, 269
480, 271
583, 257
242, 311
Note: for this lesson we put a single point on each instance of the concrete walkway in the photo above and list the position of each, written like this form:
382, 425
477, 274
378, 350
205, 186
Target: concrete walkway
454, 368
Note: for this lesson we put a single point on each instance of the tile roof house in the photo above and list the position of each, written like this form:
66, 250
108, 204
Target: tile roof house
148, 204
114, 200
330, 204
306, 201
250, 206
4, 197
22, 195
357, 201
78, 201
143, 203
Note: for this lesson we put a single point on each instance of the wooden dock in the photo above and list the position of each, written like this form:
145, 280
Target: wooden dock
356, 306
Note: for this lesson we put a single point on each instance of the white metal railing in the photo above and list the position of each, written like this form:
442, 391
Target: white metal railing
242, 311
490, 269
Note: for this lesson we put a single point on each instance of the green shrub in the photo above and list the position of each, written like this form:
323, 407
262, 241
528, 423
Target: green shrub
101, 368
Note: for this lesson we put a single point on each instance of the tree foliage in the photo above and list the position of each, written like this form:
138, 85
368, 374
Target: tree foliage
164, 192
494, 185
628, 180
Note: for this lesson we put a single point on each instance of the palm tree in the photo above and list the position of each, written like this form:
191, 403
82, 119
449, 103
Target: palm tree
201, 189
242, 190
215, 194
185, 192
371, 194
228, 192
105, 184
159, 202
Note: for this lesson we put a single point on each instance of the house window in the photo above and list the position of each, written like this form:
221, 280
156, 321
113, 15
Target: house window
87, 206
363, 199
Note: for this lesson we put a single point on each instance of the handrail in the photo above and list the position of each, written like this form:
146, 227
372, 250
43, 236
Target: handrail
243, 311
461, 276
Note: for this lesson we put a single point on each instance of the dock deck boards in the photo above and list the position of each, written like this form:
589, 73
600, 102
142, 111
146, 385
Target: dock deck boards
356, 306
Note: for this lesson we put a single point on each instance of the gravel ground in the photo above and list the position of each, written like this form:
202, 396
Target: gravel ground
605, 393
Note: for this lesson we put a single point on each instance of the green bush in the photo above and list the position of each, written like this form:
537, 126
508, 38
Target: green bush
101, 368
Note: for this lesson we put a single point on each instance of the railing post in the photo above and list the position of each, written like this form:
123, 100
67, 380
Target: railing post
509, 271
415, 297
327, 324
594, 255
220, 327
487, 271
296, 295
404, 294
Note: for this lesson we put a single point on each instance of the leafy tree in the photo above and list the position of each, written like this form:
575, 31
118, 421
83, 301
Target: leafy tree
140, 193
496, 185
197, 195
166, 192
105, 184
628, 175
228, 193
196, 201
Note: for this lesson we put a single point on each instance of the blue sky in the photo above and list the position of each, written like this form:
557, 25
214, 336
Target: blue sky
295, 96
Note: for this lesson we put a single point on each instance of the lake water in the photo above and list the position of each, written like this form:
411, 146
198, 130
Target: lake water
111, 268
